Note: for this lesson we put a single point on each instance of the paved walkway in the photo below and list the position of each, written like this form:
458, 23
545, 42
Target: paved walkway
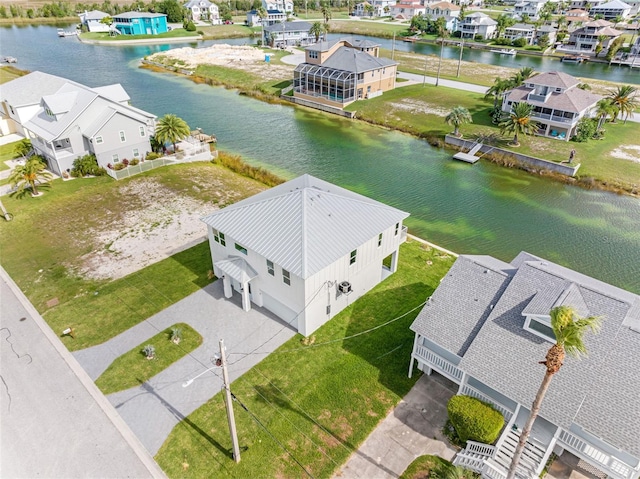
412, 429
154, 408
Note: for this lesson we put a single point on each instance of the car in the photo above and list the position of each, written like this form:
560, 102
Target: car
228, 22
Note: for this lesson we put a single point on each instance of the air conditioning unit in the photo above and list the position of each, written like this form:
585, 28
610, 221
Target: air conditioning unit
344, 287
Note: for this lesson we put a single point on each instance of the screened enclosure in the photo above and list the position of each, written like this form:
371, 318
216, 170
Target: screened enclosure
334, 85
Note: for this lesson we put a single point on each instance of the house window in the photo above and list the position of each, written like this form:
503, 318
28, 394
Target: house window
136, 153
270, 268
241, 248
218, 237
122, 137
397, 229
49, 112
143, 131
286, 277
98, 140
222, 240
313, 54
352, 258
115, 158
540, 327
379, 240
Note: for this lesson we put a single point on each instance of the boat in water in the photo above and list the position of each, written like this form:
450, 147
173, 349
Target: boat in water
573, 59
504, 51
10, 60
70, 33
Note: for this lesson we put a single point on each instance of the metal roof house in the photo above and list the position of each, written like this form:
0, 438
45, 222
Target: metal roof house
487, 326
305, 249
140, 23
92, 20
65, 120
286, 34
558, 103
340, 72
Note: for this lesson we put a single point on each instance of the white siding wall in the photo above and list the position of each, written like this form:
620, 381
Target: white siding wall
112, 145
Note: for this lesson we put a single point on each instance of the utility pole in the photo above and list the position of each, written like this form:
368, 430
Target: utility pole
393, 45
228, 399
460, 59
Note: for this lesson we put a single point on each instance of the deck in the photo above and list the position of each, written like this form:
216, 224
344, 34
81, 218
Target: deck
470, 156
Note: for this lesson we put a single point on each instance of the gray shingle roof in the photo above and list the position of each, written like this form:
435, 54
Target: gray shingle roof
598, 392
304, 224
353, 60
573, 100
289, 27
29, 89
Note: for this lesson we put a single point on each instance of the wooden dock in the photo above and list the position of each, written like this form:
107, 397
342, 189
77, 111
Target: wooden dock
203, 137
469, 157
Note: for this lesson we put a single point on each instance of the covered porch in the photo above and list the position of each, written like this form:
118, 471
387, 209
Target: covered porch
236, 274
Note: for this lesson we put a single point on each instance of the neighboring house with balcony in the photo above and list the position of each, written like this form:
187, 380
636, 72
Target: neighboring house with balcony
558, 103
586, 38
406, 9
378, 8
531, 8
305, 249
530, 33
273, 17
577, 18
73, 120
446, 10
477, 24
585, 4
611, 10
92, 21
140, 23
487, 326
285, 6
340, 72
286, 34
203, 10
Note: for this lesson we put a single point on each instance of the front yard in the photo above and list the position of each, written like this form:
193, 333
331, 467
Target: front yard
319, 401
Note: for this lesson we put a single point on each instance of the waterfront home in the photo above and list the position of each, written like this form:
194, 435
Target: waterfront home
577, 18
531, 8
446, 10
378, 8
69, 120
406, 9
611, 10
285, 34
203, 10
340, 72
273, 17
477, 24
487, 326
558, 103
585, 4
92, 21
530, 33
140, 23
305, 249
285, 6
587, 38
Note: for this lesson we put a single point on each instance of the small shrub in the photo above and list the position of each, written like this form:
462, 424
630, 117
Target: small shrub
176, 335
519, 42
586, 129
191, 27
474, 420
119, 166
86, 165
502, 41
152, 156
125, 162
134, 162
149, 351
478, 37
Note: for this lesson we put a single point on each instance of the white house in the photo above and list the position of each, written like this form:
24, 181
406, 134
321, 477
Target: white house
273, 17
531, 8
530, 33
92, 21
406, 9
587, 38
286, 34
477, 24
558, 103
305, 249
446, 10
285, 6
71, 120
203, 10
611, 10
373, 8
487, 326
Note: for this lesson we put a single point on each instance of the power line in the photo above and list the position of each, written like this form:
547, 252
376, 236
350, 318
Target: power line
255, 418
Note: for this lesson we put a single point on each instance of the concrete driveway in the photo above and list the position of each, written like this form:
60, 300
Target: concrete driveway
154, 408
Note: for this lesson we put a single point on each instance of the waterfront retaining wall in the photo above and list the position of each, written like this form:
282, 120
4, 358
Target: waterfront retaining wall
319, 106
526, 160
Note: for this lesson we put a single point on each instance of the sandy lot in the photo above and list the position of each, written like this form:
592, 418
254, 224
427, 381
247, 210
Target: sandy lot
241, 57
627, 152
417, 106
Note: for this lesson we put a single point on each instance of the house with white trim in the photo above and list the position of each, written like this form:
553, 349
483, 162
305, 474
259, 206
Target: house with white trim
530, 33
487, 326
305, 249
203, 10
611, 10
286, 34
446, 10
477, 23
558, 103
69, 120
406, 9
587, 38
379, 8
93, 21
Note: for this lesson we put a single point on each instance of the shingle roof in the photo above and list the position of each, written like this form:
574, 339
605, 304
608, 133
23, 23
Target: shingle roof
289, 27
574, 100
353, 60
304, 224
198, 3
598, 393
94, 15
29, 89
554, 79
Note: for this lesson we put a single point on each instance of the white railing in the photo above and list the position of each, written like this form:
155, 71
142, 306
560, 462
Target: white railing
473, 392
403, 233
480, 448
493, 471
609, 464
474, 463
438, 363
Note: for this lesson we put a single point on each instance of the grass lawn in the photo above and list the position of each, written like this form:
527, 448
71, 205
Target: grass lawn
376, 29
42, 249
104, 36
237, 30
422, 467
8, 73
133, 368
6, 153
321, 401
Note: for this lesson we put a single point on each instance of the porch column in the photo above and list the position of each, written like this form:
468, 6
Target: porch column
246, 301
463, 382
226, 282
415, 343
394, 261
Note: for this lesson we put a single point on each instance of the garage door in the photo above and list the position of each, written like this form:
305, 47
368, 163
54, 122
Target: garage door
280, 310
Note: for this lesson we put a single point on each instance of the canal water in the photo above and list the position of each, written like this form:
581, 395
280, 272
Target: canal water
479, 209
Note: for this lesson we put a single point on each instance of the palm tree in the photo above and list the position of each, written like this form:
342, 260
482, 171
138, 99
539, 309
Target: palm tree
497, 89
22, 148
326, 12
171, 128
504, 22
569, 330
27, 175
520, 76
262, 13
519, 121
624, 100
604, 109
317, 30
458, 116
600, 45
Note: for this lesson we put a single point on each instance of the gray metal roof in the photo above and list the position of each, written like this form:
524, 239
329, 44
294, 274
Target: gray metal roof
462, 302
237, 268
29, 89
289, 27
598, 392
305, 224
353, 60
138, 15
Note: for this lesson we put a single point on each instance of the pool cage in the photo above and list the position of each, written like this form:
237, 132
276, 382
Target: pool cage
334, 85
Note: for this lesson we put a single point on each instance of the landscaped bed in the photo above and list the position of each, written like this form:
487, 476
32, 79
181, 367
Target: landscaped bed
319, 400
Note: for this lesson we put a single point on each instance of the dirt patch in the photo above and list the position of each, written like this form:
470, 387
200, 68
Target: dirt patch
241, 57
157, 223
627, 152
417, 106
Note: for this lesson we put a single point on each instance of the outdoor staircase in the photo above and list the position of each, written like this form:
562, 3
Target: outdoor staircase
531, 458
475, 149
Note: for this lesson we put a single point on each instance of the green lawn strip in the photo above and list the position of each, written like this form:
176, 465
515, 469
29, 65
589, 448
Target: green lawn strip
8, 73
376, 29
346, 385
423, 466
104, 36
133, 368
237, 30
7, 152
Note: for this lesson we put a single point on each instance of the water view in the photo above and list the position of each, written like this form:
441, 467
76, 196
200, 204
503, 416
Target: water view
481, 209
